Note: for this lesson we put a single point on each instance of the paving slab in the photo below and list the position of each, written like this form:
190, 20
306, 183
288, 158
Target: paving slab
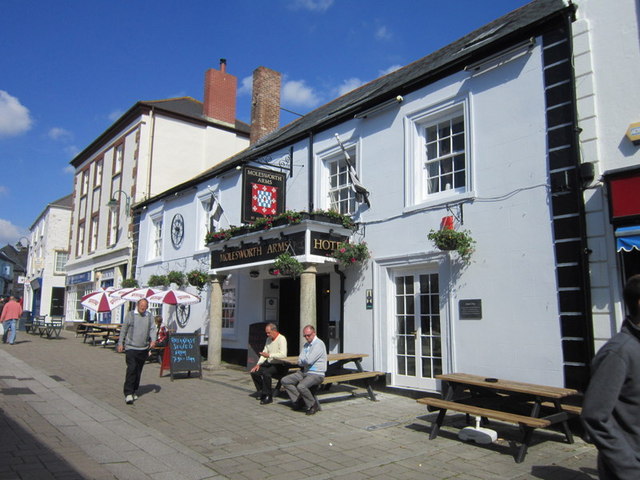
65, 417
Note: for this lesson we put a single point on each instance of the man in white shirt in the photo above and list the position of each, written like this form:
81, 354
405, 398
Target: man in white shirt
313, 363
267, 366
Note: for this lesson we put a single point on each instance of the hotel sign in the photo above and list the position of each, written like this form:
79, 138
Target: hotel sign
268, 249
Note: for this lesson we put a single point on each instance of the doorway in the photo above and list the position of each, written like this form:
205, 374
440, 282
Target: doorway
289, 310
418, 330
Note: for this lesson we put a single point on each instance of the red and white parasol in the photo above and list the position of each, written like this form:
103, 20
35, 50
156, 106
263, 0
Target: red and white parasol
140, 293
101, 301
174, 297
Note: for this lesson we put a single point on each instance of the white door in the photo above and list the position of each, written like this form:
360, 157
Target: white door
418, 330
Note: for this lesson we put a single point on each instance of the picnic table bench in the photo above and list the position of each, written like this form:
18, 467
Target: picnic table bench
43, 326
106, 331
336, 373
530, 406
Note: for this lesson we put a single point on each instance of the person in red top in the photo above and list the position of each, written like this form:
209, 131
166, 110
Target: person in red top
9, 318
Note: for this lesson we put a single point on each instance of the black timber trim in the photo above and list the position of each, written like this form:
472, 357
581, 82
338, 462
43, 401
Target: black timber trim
567, 206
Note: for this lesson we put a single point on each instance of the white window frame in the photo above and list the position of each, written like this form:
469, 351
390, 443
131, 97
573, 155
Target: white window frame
206, 221
229, 307
80, 239
156, 237
325, 159
60, 260
416, 176
118, 158
93, 238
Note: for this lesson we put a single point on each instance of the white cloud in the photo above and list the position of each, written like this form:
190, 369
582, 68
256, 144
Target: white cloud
387, 71
3, 190
115, 115
71, 150
246, 86
69, 170
298, 94
58, 133
9, 233
312, 5
348, 85
14, 117
383, 33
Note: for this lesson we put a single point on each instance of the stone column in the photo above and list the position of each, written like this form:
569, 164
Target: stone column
214, 350
307, 299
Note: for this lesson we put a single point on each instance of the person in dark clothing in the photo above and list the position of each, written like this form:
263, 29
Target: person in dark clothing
137, 336
611, 408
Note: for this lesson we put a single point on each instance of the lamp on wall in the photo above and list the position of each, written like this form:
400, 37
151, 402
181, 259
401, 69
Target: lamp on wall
114, 204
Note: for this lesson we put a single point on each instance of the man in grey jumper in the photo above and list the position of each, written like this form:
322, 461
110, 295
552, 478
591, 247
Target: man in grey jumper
137, 336
611, 408
313, 364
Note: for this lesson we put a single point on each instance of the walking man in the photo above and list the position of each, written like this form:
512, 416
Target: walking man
267, 366
313, 363
137, 336
10, 314
612, 400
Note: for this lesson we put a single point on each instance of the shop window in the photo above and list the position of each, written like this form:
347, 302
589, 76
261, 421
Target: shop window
228, 308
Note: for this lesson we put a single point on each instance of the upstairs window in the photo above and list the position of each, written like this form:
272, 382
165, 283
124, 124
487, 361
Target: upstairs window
156, 237
118, 156
437, 159
60, 261
342, 196
445, 156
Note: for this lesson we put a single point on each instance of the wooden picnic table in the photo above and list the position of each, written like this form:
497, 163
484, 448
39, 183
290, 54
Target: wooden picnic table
106, 331
336, 373
529, 405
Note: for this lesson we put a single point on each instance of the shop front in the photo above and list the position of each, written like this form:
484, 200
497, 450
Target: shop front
245, 266
77, 286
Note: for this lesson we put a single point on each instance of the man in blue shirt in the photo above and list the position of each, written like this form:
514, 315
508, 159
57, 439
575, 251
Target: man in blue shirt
313, 366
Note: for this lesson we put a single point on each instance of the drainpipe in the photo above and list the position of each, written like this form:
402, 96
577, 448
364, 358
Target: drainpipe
152, 129
311, 177
342, 292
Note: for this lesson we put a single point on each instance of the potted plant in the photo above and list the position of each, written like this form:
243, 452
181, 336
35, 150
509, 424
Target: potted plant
176, 277
130, 283
158, 281
351, 253
458, 240
285, 264
197, 278
331, 216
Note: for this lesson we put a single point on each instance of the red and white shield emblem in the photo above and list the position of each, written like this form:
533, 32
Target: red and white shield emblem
264, 199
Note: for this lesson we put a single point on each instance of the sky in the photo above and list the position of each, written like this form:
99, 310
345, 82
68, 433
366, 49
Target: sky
70, 68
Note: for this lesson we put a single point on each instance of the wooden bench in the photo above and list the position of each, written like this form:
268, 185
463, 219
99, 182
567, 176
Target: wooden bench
527, 423
53, 327
94, 335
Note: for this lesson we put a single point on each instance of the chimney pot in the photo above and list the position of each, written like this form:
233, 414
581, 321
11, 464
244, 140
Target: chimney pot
220, 89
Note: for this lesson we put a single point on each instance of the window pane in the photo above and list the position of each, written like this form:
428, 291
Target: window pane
401, 347
411, 366
432, 134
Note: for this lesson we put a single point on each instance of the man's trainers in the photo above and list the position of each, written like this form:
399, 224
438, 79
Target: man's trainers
135, 397
129, 399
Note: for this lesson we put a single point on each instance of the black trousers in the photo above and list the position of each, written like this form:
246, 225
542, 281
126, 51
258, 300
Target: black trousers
135, 361
262, 378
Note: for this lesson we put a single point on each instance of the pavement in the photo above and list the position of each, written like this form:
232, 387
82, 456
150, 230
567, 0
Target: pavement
63, 416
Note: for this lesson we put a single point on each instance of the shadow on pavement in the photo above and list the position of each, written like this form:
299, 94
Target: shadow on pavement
561, 473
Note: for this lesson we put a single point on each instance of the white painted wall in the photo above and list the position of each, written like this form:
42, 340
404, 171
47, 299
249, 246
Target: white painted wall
607, 67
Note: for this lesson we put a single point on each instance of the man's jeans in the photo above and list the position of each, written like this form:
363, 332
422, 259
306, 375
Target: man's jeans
10, 326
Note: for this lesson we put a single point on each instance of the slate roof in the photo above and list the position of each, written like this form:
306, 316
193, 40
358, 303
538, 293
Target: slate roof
184, 107
495, 36
64, 202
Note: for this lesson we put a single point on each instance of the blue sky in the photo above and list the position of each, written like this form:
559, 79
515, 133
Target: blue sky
70, 68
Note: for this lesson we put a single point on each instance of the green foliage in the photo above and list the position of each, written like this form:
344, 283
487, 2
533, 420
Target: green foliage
458, 240
176, 277
285, 264
197, 278
349, 254
130, 283
158, 281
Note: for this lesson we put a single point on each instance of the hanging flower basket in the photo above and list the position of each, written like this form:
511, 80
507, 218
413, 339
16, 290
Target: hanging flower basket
349, 254
130, 283
285, 264
158, 281
197, 279
176, 277
453, 240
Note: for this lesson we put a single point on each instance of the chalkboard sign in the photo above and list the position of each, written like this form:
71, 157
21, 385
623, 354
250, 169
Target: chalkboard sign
257, 339
185, 353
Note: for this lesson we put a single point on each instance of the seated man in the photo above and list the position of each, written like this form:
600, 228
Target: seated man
266, 368
313, 363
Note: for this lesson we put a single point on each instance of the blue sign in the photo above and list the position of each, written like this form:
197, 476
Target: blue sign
78, 278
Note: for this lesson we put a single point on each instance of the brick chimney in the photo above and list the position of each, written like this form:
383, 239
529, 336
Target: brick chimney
220, 94
265, 103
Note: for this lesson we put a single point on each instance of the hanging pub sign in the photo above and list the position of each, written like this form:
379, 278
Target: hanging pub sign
263, 193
